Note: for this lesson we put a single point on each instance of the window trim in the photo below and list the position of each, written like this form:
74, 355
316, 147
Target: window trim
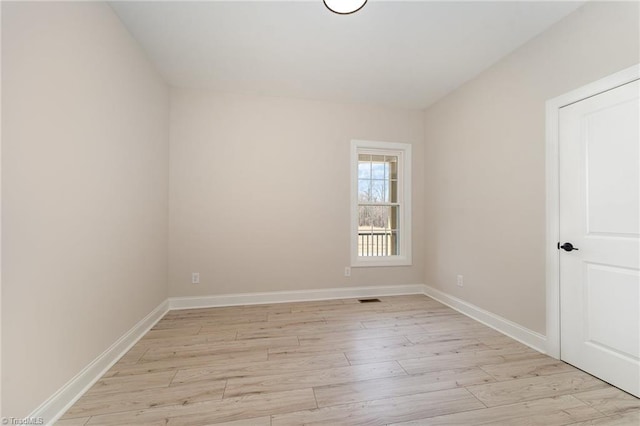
403, 150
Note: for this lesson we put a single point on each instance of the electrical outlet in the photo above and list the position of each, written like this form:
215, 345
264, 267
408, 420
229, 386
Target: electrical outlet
460, 281
347, 272
195, 278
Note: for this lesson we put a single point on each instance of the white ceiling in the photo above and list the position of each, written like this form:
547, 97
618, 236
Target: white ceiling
406, 54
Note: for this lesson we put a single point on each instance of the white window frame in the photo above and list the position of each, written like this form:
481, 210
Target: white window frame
403, 151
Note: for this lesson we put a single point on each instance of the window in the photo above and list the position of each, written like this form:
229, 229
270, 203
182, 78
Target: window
380, 204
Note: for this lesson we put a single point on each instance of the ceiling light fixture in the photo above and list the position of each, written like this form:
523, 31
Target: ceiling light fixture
344, 7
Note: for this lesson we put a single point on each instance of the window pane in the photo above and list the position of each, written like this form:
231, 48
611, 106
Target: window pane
378, 169
365, 247
378, 230
364, 169
378, 243
379, 217
364, 190
377, 191
365, 218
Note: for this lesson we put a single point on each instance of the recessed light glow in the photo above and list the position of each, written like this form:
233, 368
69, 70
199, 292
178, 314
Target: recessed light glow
344, 7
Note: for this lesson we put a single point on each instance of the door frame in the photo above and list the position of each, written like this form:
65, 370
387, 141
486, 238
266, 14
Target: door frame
553, 193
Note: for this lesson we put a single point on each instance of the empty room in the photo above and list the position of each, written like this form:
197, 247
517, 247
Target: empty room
308, 212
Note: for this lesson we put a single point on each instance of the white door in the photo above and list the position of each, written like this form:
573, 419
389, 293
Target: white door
600, 216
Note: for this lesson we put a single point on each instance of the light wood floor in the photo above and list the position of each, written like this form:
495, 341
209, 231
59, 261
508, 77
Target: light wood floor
406, 360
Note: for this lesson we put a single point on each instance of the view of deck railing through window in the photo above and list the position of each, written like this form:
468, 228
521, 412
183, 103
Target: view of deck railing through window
378, 207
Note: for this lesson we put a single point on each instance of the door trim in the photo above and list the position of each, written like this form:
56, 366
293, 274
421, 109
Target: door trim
553, 193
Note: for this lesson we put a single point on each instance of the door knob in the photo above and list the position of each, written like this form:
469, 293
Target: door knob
567, 247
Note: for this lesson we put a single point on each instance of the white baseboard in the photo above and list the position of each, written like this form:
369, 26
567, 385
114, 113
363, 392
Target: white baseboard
523, 335
54, 407
292, 296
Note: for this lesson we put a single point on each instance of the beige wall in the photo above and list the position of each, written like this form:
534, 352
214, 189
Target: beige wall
84, 187
259, 193
485, 161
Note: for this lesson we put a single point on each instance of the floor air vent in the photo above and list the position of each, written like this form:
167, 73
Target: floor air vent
368, 300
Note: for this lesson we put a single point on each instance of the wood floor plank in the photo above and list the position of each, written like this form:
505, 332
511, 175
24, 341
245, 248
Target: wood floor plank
416, 351
96, 404
412, 302
132, 383
409, 298
430, 306
515, 352
256, 421
293, 357
609, 400
213, 313
450, 361
424, 337
542, 412
383, 411
186, 359
260, 368
502, 393
295, 380
398, 386
195, 339
262, 329
221, 310
331, 309
212, 412
527, 368
274, 330
267, 307
133, 355
211, 321
344, 345
453, 326
512, 356
389, 314
225, 359
428, 323
631, 418
242, 407
78, 421
501, 342
311, 337
297, 316
318, 305
180, 331
156, 354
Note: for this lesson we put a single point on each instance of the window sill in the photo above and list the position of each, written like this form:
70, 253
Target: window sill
372, 262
